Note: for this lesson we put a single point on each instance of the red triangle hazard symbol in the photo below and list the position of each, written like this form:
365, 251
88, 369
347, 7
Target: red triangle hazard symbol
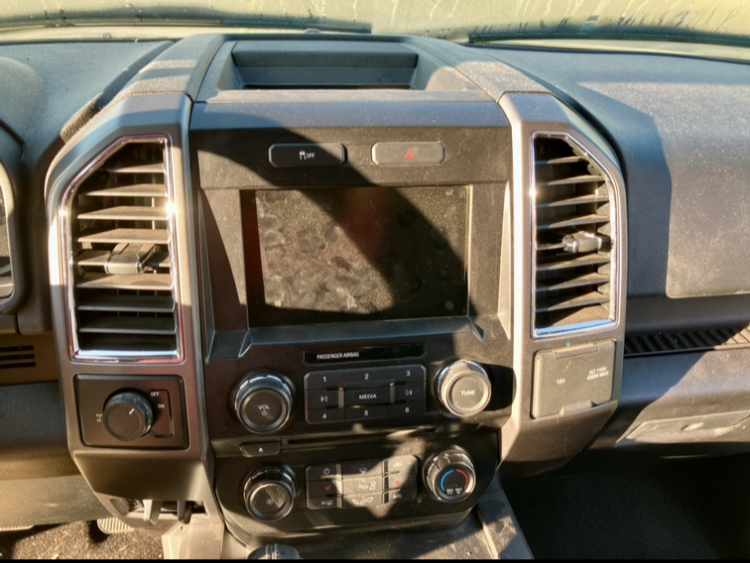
409, 155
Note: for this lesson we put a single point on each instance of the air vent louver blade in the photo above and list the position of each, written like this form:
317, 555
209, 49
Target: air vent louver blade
573, 239
121, 245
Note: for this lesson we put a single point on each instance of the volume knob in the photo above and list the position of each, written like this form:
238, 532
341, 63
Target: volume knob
264, 402
463, 388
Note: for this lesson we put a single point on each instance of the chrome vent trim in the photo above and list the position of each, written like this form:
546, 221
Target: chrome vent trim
575, 239
118, 237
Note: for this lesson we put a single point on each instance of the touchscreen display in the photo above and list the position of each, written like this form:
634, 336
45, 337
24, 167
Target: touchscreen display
334, 254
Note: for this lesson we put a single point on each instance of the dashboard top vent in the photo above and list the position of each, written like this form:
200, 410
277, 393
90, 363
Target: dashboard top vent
574, 239
660, 343
122, 282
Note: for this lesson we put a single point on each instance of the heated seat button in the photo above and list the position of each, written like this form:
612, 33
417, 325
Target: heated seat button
375, 396
306, 154
408, 154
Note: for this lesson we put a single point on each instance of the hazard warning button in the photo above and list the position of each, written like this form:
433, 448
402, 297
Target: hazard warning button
408, 154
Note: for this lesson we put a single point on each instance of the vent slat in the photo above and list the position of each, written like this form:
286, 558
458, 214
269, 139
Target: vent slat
127, 303
573, 180
143, 282
572, 221
559, 284
136, 236
578, 200
137, 190
151, 168
127, 213
98, 259
563, 160
578, 262
163, 326
579, 301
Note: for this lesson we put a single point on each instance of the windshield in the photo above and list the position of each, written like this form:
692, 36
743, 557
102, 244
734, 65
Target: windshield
714, 21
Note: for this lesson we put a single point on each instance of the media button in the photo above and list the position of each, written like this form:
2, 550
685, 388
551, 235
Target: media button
373, 396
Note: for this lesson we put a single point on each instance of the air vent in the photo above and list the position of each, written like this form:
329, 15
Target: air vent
660, 343
17, 357
574, 239
123, 283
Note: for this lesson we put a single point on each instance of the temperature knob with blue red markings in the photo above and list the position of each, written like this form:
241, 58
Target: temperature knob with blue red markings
450, 475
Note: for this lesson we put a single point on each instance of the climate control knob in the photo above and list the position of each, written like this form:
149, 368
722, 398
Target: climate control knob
450, 475
463, 388
127, 416
264, 402
269, 493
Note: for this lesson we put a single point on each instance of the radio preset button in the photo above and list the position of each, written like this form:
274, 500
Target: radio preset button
407, 374
324, 379
415, 408
317, 416
365, 376
366, 413
375, 396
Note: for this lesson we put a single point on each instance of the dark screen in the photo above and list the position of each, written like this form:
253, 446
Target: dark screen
334, 254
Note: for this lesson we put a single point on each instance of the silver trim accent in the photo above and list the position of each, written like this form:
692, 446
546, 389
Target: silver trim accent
443, 391
64, 241
264, 382
615, 260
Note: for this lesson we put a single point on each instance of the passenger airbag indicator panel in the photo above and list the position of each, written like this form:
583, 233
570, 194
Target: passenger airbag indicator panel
365, 394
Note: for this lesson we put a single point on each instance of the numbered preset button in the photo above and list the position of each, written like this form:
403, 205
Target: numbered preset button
365, 376
316, 416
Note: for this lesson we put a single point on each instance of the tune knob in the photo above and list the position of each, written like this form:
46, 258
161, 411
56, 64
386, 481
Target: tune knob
127, 415
264, 402
450, 475
463, 388
269, 493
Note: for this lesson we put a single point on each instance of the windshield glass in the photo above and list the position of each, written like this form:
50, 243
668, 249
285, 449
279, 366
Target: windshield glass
714, 21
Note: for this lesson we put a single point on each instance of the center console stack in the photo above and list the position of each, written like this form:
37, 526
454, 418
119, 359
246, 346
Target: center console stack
358, 369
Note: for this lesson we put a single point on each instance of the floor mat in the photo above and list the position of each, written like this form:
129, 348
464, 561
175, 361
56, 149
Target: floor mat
682, 510
79, 540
